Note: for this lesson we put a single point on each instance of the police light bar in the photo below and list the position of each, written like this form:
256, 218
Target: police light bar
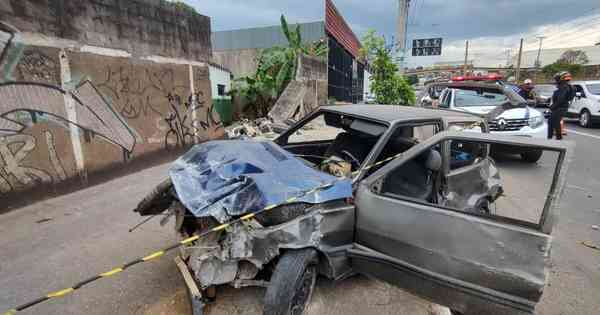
491, 77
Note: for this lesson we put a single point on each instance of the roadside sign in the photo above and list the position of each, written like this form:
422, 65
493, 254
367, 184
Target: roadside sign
427, 47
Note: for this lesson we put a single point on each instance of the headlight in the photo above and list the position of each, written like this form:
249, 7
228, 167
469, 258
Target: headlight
535, 122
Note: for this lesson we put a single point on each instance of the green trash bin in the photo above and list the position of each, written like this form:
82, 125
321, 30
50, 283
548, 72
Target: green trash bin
224, 107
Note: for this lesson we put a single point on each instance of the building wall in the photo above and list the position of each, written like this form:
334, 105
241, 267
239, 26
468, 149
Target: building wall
220, 80
264, 37
81, 94
241, 63
345, 71
548, 56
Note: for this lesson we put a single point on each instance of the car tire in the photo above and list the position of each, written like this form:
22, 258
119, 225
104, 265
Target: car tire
292, 283
483, 206
585, 119
532, 156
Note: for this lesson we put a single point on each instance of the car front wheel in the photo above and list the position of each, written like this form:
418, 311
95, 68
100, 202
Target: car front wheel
531, 156
292, 283
585, 119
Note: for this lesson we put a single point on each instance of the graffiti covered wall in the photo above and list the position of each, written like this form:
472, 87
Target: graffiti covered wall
69, 110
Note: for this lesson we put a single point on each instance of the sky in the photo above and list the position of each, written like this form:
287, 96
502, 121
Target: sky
491, 26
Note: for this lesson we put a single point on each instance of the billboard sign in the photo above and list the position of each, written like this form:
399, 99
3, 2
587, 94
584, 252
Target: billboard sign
427, 47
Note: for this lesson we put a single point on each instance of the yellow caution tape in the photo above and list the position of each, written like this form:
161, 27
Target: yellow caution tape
247, 216
111, 272
152, 256
289, 200
60, 293
270, 207
190, 239
220, 227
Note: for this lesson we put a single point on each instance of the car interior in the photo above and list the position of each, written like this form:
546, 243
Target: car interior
354, 139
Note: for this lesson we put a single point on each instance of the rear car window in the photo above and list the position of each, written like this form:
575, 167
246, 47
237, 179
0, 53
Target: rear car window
594, 88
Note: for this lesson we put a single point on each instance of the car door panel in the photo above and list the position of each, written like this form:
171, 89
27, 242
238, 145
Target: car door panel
453, 293
449, 251
578, 103
470, 263
466, 187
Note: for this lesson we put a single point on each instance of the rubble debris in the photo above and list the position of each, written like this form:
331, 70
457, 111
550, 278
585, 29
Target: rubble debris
261, 127
258, 128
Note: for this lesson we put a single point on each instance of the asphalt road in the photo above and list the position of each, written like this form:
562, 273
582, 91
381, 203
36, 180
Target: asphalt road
52, 244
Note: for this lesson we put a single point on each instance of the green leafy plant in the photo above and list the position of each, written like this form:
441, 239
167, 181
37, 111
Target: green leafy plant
276, 68
387, 84
551, 69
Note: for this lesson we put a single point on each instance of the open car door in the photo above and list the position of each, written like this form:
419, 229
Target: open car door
471, 262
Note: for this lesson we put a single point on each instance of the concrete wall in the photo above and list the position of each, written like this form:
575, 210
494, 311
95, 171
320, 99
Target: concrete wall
91, 86
241, 62
305, 93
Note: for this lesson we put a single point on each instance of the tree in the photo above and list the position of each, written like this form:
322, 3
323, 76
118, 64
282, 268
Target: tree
276, 68
573, 57
570, 60
412, 79
556, 67
387, 84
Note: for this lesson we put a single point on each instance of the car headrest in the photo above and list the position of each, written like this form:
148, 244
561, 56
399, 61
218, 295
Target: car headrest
434, 161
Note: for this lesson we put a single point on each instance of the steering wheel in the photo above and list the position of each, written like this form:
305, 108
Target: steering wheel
352, 158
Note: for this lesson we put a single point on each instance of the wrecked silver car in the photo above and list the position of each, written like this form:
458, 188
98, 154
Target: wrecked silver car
387, 191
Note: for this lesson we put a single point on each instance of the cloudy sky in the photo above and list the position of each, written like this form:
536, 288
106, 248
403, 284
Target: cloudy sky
491, 26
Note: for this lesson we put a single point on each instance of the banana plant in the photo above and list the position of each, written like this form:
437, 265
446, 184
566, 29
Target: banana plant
276, 68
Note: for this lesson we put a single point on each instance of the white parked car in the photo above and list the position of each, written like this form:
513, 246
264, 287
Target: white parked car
586, 104
507, 112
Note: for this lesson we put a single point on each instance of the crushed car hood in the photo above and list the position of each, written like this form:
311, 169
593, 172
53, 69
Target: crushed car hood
224, 179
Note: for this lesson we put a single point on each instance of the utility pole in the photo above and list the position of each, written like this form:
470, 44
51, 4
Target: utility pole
538, 63
403, 6
537, 60
519, 62
465, 66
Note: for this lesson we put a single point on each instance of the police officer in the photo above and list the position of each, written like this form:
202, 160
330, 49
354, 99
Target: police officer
527, 90
561, 98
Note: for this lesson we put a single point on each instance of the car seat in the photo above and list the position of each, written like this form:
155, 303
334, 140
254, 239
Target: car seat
414, 178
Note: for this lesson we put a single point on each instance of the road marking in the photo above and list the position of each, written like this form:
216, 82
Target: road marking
583, 134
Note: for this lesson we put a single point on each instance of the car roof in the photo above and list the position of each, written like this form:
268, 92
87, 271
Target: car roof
586, 82
398, 113
460, 84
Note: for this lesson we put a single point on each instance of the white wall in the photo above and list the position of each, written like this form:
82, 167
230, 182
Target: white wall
219, 76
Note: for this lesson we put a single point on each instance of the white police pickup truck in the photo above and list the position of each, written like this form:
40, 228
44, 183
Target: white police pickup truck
507, 112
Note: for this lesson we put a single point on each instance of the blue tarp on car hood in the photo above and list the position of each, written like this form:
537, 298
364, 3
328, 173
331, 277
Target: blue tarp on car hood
234, 177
